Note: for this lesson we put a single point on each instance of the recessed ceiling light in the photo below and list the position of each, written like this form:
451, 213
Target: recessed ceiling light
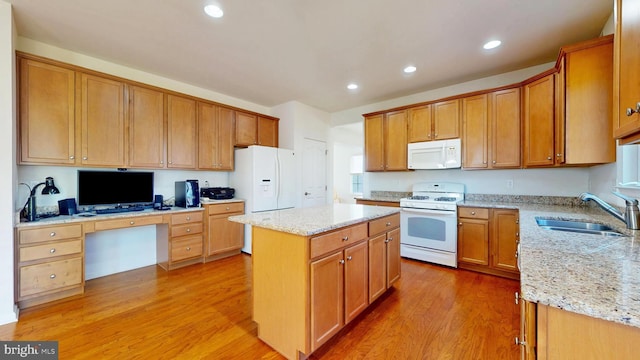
352, 86
492, 44
409, 69
213, 11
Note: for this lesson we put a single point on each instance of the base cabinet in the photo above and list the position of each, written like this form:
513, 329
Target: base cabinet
224, 238
488, 241
331, 272
185, 241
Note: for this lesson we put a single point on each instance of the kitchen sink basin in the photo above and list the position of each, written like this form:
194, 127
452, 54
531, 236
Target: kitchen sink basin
577, 226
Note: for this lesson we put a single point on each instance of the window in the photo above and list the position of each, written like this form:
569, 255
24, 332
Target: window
628, 169
356, 169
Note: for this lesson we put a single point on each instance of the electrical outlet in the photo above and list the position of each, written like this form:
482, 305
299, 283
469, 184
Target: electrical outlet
510, 184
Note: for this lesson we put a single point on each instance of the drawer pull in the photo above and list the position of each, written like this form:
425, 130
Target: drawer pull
188, 248
53, 233
52, 276
349, 257
188, 218
228, 208
473, 213
345, 238
388, 224
188, 229
52, 250
132, 222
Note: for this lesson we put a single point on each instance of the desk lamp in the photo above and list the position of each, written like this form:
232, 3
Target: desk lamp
49, 188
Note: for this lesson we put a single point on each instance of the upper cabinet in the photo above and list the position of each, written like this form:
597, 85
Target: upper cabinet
102, 121
78, 117
146, 128
182, 129
626, 87
420, 126
215, 137
446, 119
47, 113
385, 141
539, 122
475, 132
252, 129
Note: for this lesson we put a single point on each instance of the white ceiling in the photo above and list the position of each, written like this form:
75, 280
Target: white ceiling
271, 52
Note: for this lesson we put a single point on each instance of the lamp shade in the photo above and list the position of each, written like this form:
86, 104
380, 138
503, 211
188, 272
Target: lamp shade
50, 187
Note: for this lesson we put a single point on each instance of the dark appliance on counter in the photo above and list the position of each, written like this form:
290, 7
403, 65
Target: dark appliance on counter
187, 194
67, 206
217, 193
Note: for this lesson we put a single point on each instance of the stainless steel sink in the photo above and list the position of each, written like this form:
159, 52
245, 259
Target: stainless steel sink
577, 226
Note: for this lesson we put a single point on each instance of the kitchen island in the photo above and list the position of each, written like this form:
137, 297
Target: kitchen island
315, 269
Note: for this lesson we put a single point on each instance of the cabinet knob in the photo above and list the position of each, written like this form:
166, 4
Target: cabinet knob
188, 229
390, 239
52, 234
161, 162
493, 162
349, 257
131, 222
188, 248
52, 276
387, 241
188, 218
71, 157
484, 162
548, 157
516, 254
517, 297
558, 155
473, 213
631, 111
170, 162
228, 208
345, 238
388, 224
459, 224
435, 135
518, 342
52, 250
84, 158
341, 261
428, 136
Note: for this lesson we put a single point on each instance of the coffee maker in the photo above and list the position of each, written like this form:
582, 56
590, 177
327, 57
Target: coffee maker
187, 194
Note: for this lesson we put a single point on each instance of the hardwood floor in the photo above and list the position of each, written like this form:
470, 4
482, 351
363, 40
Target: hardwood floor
204, 312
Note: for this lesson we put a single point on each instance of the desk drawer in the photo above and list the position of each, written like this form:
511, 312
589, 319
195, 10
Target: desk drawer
384, 224
185, 218
186, 248
128, 222
226, 208
47, 251
50, 276
50, 233
329, 242
186, 229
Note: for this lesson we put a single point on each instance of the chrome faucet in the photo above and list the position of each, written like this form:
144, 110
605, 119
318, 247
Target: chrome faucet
631, 216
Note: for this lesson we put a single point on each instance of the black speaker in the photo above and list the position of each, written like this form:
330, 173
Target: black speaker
67, 206
157, 202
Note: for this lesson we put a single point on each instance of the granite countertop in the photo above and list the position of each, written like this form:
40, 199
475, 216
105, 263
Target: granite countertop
314, 220
593, 275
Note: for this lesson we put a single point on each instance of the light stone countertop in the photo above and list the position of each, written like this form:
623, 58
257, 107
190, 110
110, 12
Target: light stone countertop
314, 220
593, 275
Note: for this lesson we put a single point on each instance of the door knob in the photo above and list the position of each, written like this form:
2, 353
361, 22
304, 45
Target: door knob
307, 193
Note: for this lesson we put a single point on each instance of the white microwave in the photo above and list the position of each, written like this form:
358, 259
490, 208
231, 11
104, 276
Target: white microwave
439, 154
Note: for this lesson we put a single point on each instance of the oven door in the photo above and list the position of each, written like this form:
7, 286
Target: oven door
434, 229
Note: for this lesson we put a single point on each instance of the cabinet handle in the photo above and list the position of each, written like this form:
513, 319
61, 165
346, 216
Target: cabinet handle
228, 208
473, 213
188, 248
52, 276
188, 229
518, 342
484, 162
387, 241
630, 111
459, 224
388, 224
52, 234
548, 157
517, 234
390, 239
161, 162
132, 222
345, 238
517, 297
435, 135
558, 155
349, 257
516, 254
493, 162
71, 157
52, 250
188, 218
84, 158
341, 261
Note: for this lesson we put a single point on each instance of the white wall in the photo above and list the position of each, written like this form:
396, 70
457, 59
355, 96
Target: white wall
8, 310
297, 122
346, 141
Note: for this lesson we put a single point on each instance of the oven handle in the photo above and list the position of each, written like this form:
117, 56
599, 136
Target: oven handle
429, 211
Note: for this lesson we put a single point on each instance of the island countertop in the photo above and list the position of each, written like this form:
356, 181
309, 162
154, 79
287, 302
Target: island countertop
314, 220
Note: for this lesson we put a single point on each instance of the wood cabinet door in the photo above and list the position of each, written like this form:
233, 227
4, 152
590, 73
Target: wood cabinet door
626, 68
224, 235
473, 241
504, 124
47, 114
207, 136
377, 266
267, 132
327, 298
446, 120
419, 124
182, 129
475, 132
539, 122
374, 143
505, 231
395, 143
146, 128
103, 126
356, 280
224, 148
588, 99
246, 129
393, 256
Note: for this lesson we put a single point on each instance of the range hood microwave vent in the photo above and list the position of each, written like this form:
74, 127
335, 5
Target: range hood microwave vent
439, 154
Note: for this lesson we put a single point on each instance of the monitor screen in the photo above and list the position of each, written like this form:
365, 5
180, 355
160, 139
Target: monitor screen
114, 187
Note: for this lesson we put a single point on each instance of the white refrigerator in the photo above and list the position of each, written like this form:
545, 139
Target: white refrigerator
264, 179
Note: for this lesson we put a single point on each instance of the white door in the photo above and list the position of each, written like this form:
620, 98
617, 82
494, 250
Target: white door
314, 173
286, 179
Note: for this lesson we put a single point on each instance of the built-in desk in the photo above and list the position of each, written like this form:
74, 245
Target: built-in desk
50, 253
